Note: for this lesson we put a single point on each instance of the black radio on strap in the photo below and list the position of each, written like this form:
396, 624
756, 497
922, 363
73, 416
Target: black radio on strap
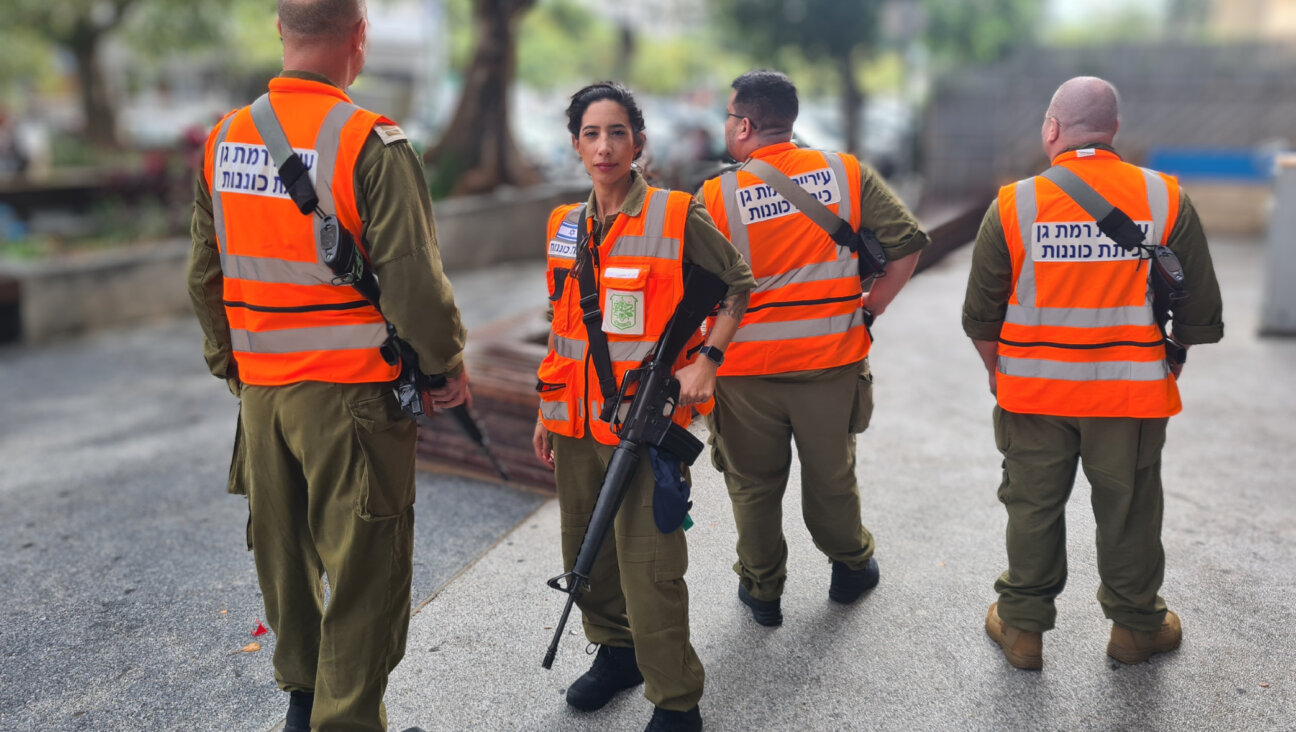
592, 316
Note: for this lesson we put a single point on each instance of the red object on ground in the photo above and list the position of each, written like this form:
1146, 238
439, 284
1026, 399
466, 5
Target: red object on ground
260, 630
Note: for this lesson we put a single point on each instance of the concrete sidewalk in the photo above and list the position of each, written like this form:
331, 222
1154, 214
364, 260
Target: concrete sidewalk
913, 653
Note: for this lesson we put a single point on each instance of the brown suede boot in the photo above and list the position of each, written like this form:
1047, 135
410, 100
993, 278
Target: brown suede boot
1023, 648
1136, 646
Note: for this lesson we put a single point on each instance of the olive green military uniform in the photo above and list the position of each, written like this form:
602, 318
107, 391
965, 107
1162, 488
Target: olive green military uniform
758, 418
638, 597
1121, 456
329, 468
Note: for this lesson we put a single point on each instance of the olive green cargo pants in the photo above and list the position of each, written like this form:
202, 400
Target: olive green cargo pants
637, 596
1122, 459
755, 421
329, 474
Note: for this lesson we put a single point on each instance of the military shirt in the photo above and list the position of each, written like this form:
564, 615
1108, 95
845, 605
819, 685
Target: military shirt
398, 233
1198, 319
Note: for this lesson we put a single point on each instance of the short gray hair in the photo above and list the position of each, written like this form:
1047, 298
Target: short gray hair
319, 18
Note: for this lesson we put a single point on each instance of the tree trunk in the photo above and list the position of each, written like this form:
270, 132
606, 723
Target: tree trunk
477, 153
96, 102
852, 101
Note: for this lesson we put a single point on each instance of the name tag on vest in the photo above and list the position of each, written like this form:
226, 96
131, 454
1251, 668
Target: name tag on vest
243, 168
564, 242
1080, 242
762, 203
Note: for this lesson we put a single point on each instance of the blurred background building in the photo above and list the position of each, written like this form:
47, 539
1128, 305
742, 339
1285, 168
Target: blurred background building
105, 104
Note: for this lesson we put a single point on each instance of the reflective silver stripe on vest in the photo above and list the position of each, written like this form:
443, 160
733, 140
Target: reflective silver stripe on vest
794, 329
1088, 371
1158, 196
1027, 210
555, 410
218, 210
297, 340
630, 350
843, 267
737, 232
278, 271
327, 141
569, 348
1138, 315
652, 243
839, 172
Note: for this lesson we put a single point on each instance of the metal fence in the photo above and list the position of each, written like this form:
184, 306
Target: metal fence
983, 125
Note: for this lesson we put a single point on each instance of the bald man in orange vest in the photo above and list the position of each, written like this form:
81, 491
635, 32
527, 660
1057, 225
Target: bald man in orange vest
1063, 318
323, 451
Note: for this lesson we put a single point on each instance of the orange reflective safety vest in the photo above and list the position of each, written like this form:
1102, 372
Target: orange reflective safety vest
640, 281
805, 311
288, 321
1079, 338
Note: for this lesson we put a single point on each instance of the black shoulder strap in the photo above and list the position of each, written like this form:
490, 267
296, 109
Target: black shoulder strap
838, 228
592, 316
1112, 221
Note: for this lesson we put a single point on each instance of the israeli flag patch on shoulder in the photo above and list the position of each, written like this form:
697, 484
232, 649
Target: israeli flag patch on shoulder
564, 242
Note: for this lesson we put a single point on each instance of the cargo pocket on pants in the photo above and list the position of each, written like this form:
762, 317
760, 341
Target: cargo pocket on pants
862, 410
236, 484
385, 440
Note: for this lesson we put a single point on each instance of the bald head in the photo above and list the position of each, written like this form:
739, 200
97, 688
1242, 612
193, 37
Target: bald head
319, 20
1085, 109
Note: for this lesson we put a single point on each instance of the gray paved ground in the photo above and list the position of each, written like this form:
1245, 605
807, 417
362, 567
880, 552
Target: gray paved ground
913, 654
119, 548
118, 551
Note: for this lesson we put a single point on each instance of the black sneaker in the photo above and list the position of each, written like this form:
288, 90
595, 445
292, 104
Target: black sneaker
614, 670
665, 720
848, 584
300, 704
766, 612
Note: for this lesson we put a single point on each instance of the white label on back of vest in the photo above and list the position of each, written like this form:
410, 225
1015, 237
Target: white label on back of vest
243, 168
762, 203
564, 242
1080, 242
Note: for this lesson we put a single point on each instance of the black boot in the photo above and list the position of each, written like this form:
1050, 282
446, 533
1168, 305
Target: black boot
614, 670
300, 704
766, 612
848, 584
665, 720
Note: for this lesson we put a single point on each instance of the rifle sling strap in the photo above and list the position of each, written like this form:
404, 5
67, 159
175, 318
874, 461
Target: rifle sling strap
838, 228
592, 316
267, 126
1112, 221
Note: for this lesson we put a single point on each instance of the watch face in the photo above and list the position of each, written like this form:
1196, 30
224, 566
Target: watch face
713, 353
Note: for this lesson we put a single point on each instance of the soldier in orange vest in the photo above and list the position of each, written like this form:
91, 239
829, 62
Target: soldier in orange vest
797, 370
628, 245
323, 451
1063, 317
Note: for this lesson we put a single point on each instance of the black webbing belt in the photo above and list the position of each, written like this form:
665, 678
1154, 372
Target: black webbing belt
592, 316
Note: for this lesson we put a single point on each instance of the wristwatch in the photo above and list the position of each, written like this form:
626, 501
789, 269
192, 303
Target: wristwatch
713, 353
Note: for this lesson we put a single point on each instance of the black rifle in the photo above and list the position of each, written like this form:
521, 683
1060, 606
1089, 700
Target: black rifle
338, 250
648, 422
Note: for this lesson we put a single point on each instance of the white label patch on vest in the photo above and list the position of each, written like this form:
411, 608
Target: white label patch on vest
762, 203
390, 134
243, 168
1088, 152
623, 312
1080, 241
564, 242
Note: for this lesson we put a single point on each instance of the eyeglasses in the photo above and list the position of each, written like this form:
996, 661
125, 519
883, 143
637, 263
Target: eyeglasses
729, 114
